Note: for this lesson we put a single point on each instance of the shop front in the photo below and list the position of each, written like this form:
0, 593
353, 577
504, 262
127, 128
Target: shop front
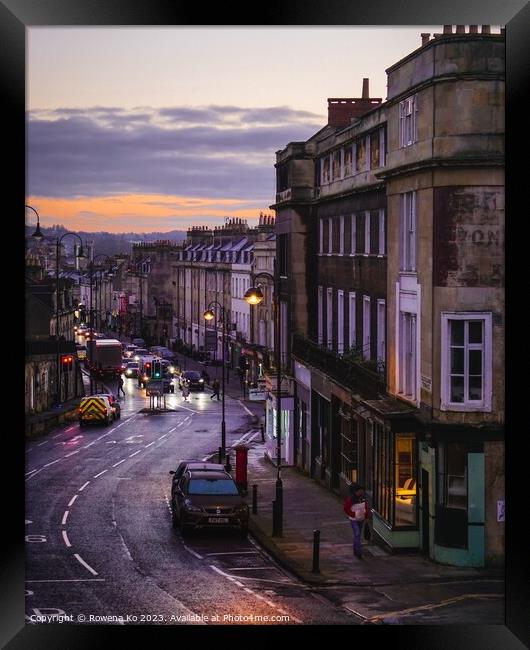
287, 421
302, 417
394, 433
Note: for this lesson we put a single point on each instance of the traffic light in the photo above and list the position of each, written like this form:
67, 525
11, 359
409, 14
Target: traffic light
147, 368
157, 370
67, 362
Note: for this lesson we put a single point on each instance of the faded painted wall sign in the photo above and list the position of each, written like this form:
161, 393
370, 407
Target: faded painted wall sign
469, 236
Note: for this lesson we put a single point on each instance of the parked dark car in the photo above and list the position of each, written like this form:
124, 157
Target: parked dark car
195, 466
194, 379
208, 499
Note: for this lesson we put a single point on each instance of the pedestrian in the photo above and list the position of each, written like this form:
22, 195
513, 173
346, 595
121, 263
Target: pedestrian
356, 507
185, 390
120, 386
215, 389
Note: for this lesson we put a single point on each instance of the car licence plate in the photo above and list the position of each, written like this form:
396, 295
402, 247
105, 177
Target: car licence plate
217, 520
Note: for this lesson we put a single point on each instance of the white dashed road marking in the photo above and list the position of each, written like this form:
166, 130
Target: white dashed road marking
103, 472
73, 499
83, 486
66, 540
65, 517
119, 462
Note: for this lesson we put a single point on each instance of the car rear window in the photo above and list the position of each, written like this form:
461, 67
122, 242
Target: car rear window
191, 374
212, 486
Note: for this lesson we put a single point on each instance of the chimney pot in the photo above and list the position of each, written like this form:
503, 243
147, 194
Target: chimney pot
366, 92
486, 29
473, 29
448, 29
460, 29
424, 38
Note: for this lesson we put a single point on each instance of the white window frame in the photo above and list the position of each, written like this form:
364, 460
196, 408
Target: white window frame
483, 405
330, 236
408, 231
340, 321
353, 235
408, 371
366, 327
352, 330
382, 238
381, 330
321, 237
408, 121
341, 235
320, 315
367, 232
329, 323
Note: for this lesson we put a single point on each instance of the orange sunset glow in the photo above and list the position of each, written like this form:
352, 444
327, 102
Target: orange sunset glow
141, 212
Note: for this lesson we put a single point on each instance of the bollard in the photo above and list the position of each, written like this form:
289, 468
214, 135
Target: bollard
274, 519
220, 455
254, 499
228, 467
262, 433
316, 551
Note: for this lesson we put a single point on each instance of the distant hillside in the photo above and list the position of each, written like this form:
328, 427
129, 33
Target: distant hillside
108, 243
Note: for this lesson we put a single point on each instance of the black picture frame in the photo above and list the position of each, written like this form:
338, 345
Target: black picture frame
15, 16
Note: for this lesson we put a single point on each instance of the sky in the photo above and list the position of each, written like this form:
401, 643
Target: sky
156, 129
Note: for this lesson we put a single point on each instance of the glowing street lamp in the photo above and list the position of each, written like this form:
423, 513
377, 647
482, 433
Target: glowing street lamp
209, 316
254, 296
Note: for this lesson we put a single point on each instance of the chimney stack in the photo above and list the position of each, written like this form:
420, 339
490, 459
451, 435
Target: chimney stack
424, 38
473, 29
366, 92
341, 111
486, 29
448, 29
460, 29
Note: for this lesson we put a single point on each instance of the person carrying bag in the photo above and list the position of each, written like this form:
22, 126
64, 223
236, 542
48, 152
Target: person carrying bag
356, 507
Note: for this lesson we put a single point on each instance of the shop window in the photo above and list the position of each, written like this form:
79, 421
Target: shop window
349, 448
405, 480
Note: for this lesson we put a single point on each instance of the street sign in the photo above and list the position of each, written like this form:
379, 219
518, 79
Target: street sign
210, 340
154, 388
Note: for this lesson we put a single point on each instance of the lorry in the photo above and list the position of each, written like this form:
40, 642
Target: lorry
104, 357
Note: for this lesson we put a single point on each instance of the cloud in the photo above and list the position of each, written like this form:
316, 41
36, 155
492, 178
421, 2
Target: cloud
212, 151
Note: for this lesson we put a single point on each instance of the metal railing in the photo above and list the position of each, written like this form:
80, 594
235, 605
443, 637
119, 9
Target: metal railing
349, 368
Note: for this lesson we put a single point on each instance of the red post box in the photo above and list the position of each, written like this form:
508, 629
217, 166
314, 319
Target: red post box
241, 466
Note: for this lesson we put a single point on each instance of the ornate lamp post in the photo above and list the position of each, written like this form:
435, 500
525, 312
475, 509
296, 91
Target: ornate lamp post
209, 315
38, 236
254, 296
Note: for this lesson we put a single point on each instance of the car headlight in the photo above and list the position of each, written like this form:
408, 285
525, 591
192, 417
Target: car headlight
201, 381
189, 506
171, 369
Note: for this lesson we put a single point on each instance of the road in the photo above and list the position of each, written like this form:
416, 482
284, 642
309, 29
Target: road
100, 547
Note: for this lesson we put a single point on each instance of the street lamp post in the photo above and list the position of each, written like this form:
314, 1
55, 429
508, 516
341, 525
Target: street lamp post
209, 315
254, 296
90, 347
37, 235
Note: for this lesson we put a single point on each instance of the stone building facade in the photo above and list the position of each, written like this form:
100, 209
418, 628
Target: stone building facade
389, 231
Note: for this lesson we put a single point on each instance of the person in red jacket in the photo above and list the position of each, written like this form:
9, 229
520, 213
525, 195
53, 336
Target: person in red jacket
356, 507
